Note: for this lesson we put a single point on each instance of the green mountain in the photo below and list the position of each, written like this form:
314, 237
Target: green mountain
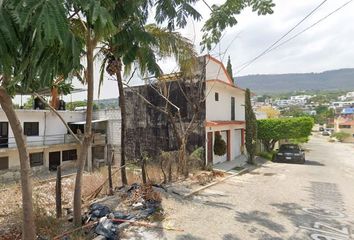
342, 79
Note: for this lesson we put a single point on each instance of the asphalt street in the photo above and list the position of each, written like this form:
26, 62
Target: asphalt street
275, 201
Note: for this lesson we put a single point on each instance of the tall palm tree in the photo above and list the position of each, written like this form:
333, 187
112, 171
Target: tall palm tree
35, 46
147, 43
92, 21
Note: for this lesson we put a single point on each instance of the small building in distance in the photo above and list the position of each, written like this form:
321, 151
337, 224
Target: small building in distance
49, 142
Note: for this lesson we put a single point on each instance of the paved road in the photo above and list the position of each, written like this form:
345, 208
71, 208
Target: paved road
276, 201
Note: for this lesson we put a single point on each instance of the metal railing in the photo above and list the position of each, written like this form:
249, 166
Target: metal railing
44, 140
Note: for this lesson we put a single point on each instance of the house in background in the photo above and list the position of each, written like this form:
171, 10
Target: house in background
222, 112
50, 144
344, 122
346, 127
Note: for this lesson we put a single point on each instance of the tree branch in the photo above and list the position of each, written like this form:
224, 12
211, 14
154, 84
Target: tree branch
145, 100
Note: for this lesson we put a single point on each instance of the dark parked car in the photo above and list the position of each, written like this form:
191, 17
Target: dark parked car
291, 153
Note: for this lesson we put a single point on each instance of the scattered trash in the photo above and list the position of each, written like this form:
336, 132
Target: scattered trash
138, 205
121, 215
140, 202
107, 228
98, 211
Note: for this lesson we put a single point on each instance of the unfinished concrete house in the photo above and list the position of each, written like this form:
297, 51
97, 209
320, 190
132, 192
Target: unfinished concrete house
49, 142
209, 100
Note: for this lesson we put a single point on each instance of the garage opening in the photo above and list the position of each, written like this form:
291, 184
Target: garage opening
4, 163
54, 160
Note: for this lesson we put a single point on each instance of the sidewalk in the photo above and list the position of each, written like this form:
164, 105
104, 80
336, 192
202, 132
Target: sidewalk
228, 166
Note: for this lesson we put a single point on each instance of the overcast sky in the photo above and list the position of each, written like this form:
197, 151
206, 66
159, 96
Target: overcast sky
327, 46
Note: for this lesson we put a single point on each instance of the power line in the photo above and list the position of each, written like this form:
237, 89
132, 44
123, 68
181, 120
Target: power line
313, 25
246, 64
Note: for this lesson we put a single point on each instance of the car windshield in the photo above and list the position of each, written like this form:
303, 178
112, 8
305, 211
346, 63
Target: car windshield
289, 148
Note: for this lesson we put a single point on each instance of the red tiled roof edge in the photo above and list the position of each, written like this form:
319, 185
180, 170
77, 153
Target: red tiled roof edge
222, 123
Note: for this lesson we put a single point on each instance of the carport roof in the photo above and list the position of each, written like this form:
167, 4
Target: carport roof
84, 122
222, 123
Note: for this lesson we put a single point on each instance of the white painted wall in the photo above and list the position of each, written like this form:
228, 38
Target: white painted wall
221, 110
215, 71
51, 129
236, 143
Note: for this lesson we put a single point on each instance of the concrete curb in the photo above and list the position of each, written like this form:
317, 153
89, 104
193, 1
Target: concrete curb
243, 171
247, 169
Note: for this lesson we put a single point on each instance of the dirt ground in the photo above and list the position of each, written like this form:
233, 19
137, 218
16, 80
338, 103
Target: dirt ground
274, 202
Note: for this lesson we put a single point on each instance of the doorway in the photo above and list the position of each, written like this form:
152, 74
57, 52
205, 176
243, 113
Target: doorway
4, 134
54, 160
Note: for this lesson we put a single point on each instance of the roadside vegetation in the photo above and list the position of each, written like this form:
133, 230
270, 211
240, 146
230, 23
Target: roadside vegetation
341, 136
267, 155
270, 131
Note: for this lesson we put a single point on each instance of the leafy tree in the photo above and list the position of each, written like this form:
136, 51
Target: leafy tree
150, 41
92, 22
223, 16
229, 69
270, 131
323, 113
263, 98
294, 111
251, 128
132, 42
72, 105
219, 145
269, 111
36, 46
28, 104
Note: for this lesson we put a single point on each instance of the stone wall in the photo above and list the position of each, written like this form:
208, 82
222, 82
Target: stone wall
149, 130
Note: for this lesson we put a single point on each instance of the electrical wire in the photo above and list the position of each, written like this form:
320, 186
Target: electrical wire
313, 25
246, 64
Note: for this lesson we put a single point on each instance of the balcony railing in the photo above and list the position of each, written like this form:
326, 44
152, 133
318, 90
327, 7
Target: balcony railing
36, 141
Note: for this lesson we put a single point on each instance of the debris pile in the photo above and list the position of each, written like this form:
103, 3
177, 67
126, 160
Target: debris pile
140, 202
203, 178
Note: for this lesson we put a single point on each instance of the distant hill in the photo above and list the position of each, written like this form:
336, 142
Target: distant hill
342, 79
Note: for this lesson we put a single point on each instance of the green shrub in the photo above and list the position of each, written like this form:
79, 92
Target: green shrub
196, 159
197, 153
219, 145
299, 140
341, 136
267, 155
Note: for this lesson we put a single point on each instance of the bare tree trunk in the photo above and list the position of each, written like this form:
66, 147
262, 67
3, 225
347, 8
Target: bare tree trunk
58, 188
143, 170
88, 129
170, 169
28, 226
272, 145
123, 123
183, 158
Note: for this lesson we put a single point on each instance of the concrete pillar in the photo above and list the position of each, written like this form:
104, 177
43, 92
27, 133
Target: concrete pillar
89, 159
105, 153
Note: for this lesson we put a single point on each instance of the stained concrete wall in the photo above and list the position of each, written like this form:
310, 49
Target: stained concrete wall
149, 131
